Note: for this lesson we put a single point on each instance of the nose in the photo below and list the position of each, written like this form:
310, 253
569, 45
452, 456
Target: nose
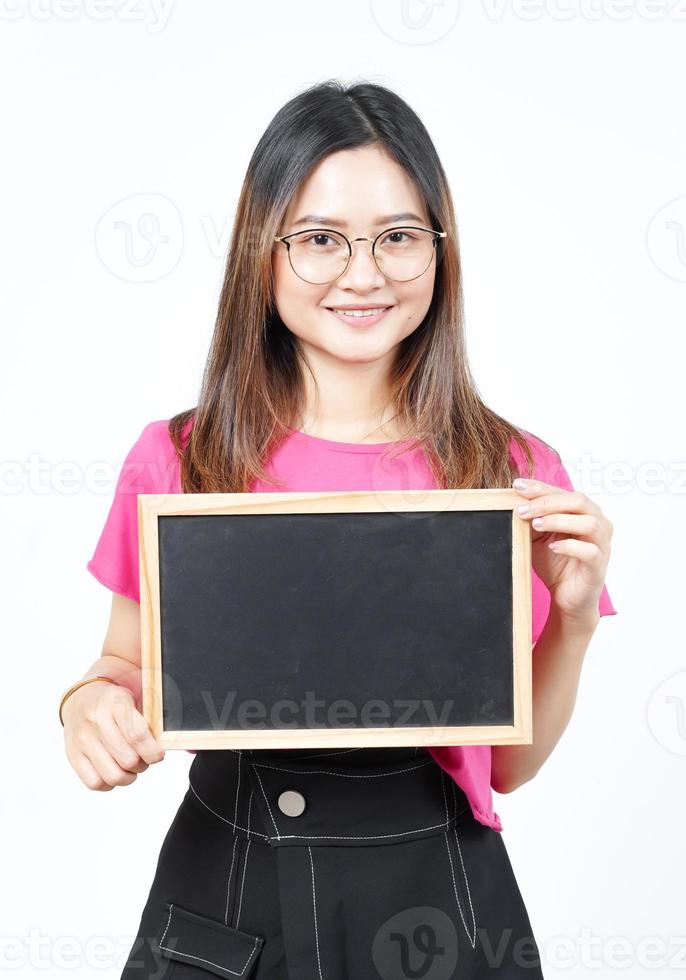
362, 272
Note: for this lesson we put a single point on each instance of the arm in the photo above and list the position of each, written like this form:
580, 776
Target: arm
570, 552
121, 650
556, 669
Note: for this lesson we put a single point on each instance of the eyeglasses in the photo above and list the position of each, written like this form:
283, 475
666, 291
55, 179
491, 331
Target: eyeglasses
321, 255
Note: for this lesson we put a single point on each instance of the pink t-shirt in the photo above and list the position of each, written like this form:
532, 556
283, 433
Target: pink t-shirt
308, 463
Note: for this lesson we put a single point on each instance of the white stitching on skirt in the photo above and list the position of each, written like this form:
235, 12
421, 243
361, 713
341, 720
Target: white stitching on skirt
467, 809
314, 907
466, 881
344, 775
464, 870
266, 801
236, 826
238, 786
249, 809
445, 798
402, 833
240, 901
200, 959
457, 897
228, 883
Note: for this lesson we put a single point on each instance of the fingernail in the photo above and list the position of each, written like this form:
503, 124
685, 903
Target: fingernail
520, 484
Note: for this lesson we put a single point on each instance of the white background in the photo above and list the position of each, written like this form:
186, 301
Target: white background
561, 127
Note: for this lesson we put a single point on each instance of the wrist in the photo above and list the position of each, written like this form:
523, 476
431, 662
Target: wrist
68, 695
582, 622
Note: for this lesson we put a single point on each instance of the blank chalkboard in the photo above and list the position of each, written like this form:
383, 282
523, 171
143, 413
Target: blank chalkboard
335, 619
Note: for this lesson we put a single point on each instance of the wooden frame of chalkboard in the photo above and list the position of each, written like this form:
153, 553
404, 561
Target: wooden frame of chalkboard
266, 597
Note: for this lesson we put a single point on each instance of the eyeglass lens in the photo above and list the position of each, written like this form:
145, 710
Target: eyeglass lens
321, 256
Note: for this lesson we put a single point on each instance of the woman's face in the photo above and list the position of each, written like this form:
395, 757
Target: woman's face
358, 192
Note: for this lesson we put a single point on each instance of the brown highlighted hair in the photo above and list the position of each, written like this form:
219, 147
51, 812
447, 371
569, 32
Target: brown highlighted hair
252, 389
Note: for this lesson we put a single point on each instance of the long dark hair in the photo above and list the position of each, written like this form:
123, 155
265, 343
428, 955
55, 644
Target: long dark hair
252, 390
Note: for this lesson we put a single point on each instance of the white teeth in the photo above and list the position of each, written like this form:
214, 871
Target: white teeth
356, 313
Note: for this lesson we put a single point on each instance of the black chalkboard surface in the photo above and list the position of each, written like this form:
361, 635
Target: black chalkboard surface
335, 619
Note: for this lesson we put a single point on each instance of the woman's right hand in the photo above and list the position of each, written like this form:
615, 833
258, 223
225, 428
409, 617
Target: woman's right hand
107, 740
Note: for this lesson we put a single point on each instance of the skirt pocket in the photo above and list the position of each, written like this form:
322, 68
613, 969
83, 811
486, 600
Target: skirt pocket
206, 944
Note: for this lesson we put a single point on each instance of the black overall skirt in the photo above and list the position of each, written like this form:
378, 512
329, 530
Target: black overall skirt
348, 864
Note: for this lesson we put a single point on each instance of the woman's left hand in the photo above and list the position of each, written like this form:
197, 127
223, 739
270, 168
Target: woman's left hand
573, 570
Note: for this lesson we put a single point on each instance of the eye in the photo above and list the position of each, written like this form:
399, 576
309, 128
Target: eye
320, 239
397, 238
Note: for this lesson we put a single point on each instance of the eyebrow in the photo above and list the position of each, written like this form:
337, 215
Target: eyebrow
322, 220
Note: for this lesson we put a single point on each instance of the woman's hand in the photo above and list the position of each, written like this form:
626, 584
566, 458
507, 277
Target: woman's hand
570, 545
107, 740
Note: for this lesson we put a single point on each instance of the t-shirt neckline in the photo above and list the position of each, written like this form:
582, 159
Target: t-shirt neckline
345, 447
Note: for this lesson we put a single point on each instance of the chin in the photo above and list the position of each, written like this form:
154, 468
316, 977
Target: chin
358, 353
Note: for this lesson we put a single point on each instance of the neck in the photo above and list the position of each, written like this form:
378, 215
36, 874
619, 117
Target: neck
348, 402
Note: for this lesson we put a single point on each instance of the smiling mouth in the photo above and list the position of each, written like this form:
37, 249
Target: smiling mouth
359, 313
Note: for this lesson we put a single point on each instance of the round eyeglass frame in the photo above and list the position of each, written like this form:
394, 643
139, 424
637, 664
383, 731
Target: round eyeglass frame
349, 241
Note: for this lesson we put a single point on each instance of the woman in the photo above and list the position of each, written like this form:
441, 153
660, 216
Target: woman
338, 362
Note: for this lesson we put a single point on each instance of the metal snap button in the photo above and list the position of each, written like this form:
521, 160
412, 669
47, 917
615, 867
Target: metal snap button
291, 802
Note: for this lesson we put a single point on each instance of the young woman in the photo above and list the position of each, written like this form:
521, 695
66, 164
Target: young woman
338, 362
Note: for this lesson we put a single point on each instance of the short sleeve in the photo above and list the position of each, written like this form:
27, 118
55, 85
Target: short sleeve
549, 468
150, 466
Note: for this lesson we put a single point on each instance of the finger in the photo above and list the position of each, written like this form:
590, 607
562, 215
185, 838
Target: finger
533, 488
108, 731
106, 767
587, 552
136, 732
86, 772
586, 525
554, 499
122, 752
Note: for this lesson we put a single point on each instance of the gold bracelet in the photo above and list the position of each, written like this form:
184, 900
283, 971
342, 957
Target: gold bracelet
79, 684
